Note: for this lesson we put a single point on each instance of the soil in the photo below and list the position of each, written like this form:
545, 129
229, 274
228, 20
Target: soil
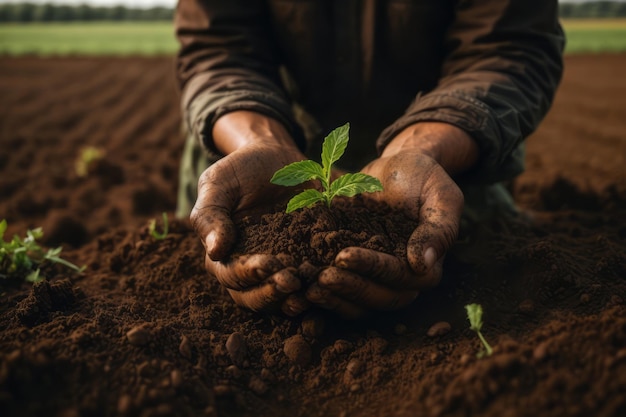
145, 332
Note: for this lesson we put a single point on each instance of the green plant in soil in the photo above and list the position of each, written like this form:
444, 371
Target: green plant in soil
153, 231
21, 257
475, 316
86, 159
347, 185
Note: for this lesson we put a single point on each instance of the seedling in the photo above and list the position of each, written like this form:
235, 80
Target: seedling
87, 157
475, 316
152, 228
20, 258
347, 185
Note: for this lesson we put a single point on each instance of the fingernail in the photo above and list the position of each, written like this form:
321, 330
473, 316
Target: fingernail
210, 241
430, 257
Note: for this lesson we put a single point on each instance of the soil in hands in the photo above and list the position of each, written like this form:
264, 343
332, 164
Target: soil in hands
317, 234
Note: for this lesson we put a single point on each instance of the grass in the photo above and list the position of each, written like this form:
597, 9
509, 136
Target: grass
99, 38
595, 35
156, 38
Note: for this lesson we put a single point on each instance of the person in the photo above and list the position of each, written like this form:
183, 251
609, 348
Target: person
454, 87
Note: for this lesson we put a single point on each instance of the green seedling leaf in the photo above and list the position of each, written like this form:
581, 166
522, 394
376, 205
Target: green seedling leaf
88, 155
333, 147
152, 228
347, 185
475, 317
305, 199
297, 173
21, 258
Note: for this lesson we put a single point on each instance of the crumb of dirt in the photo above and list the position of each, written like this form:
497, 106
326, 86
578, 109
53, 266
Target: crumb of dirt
44, 298
140, 335
297, 350
439, 329
313, 325
236, 348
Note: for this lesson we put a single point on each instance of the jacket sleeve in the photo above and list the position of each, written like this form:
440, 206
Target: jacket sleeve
498, 80
227, 62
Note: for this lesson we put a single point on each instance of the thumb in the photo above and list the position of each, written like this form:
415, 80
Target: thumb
439, 218
211, 215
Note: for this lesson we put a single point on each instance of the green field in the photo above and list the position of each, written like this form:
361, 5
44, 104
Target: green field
595, 35
144, 38
150, 38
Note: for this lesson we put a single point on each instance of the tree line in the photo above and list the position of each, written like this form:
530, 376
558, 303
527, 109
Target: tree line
598, 9
31, 12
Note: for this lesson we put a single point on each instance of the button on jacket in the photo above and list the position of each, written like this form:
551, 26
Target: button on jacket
490, 67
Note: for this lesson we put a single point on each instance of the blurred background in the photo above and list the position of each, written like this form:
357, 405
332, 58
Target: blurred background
144, 26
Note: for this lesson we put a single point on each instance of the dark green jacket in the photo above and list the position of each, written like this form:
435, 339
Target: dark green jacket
490, 67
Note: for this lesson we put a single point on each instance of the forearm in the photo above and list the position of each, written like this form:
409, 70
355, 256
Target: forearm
497, 82
238, 129
227, 63
450, 146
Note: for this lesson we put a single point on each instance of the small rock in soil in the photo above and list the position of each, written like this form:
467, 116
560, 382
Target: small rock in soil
527, 306
236, 348
139, 335
124, 404
585, 298
313, 325
257, 385
233, 371
342, 346
354, 367
176, 378
185, 347
439, 329
222, 390
297, 350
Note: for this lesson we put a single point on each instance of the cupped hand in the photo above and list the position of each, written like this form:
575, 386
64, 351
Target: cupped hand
237, 185
363, 280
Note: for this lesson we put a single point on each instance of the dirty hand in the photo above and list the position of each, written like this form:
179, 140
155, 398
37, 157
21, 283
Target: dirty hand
415, 171
255, 147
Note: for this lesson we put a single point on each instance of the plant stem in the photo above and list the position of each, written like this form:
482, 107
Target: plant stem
487, 347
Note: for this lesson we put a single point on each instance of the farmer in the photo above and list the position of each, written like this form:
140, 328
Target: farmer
440, 96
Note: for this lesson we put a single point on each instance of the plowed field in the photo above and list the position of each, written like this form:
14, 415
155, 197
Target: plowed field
144, 332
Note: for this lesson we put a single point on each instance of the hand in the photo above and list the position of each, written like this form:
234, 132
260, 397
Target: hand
234, 186
415, 183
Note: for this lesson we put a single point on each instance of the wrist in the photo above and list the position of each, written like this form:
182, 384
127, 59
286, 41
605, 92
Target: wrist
239, 129
454, 149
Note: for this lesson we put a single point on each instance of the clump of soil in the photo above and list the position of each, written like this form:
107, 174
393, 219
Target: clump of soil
317, 234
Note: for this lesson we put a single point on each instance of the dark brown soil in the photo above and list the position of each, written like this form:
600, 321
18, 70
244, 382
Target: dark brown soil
144, 331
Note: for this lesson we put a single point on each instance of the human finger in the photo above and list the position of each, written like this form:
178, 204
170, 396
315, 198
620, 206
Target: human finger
245, 271
326, 300
211, 214
386, 269
439, 218
363, 292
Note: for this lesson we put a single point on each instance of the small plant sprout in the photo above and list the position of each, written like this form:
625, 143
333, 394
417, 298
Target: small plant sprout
88, 155
347, 185
20, 258
475, 316
152, 228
